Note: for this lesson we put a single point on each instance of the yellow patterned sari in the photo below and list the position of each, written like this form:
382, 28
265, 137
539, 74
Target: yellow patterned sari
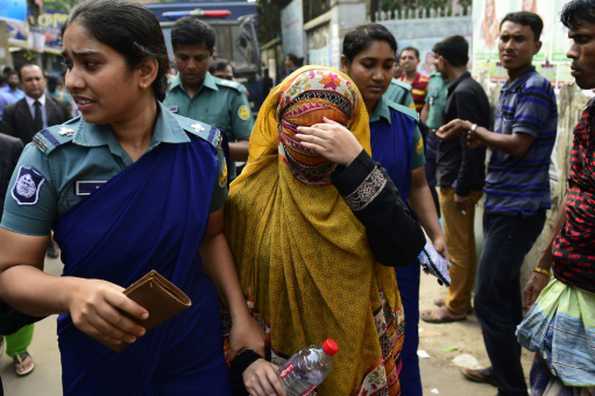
302, 256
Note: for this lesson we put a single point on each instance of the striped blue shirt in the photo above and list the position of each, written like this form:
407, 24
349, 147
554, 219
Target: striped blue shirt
521, 185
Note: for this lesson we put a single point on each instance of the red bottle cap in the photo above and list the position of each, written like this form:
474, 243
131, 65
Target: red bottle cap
330, 347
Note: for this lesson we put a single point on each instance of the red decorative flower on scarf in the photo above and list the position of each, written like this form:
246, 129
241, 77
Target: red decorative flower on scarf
330, 81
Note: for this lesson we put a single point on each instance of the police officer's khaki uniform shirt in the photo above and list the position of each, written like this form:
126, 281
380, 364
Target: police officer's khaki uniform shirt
399, 92
436, 100
221, 103
66, 163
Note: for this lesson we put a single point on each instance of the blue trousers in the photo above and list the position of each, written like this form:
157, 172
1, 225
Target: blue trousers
498, 303
408, 278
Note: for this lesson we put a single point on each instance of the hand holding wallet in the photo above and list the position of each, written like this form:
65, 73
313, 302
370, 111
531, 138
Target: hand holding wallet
157, 295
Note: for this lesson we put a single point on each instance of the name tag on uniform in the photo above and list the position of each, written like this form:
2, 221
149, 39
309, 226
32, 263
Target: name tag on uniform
174, 109
84, 188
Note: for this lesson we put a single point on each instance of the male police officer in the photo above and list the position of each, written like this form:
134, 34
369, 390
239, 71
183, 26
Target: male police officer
197, 94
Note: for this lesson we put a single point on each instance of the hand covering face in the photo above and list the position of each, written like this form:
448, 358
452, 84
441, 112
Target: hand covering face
309, 98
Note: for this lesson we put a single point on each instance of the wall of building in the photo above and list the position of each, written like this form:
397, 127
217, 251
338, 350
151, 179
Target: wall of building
415, 33
319, 40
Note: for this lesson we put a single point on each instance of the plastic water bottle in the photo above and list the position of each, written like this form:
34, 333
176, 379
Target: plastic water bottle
307, 368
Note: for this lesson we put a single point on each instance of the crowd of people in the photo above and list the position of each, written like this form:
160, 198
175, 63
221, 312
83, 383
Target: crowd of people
347, 174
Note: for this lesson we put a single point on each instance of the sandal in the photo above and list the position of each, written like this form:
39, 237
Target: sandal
23, 363
440, 302
441, 315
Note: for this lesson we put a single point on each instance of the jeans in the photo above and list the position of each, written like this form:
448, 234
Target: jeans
498, 303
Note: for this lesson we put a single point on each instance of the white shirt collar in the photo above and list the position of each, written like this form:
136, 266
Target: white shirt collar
30, 100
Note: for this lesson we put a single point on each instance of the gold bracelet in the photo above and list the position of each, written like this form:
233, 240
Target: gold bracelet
542, 271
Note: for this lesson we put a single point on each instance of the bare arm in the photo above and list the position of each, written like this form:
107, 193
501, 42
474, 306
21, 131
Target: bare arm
218, 264
516, 144
95, 305
423, 116
21, 262
547, 257
420, 200
539, 277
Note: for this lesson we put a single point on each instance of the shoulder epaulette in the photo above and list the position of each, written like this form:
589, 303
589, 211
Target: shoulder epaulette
48, 139
230, 84
200, 129
404, 109
401, 84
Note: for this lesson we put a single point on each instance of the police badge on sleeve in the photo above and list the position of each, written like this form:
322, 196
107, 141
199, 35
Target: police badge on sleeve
27, 185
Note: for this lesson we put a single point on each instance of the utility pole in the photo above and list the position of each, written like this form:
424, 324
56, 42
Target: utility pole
374, 9
34, 7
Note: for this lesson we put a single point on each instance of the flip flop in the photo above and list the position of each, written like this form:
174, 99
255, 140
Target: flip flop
23, 363
439, 302
441, 315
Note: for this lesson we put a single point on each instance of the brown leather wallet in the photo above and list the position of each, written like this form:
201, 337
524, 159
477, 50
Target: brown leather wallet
159, 296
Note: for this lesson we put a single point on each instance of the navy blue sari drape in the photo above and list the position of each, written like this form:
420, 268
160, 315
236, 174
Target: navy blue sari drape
152, 215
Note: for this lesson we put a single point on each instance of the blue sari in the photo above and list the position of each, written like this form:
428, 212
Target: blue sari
391, 147
152, 215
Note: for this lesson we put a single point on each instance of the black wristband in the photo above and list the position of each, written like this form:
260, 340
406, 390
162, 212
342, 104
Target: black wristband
244, 359
240, 363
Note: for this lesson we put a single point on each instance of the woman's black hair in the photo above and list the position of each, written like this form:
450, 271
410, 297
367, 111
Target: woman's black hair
128, 28
526, 18
363, 36
578, 11
190, 30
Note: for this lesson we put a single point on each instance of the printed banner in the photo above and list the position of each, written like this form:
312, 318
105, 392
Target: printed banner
551, 61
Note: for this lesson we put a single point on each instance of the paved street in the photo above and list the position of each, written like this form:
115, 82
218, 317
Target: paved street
442, 343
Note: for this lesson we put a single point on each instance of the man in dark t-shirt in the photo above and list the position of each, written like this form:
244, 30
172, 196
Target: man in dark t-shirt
460, 174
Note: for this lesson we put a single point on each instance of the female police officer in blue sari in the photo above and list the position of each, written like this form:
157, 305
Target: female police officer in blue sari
127, 188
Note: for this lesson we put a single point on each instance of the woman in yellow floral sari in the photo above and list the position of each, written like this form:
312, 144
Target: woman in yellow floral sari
299, 240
